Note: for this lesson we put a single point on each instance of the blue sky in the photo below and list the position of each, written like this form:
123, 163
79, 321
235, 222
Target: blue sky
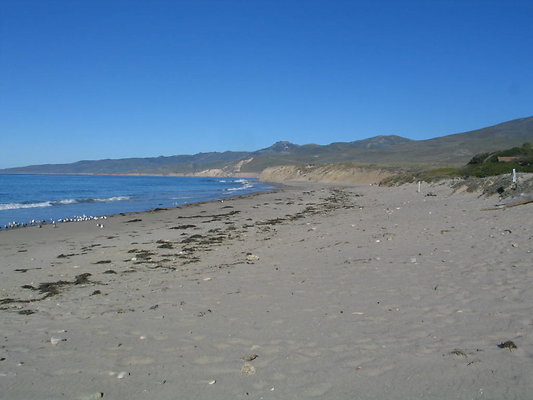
91, 79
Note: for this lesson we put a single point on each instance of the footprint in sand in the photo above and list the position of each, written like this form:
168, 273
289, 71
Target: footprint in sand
208, 360
317, 390
136, 360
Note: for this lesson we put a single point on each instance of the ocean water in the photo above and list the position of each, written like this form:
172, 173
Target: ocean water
48, 198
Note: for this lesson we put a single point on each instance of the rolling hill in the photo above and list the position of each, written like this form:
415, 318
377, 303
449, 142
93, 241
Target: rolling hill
451, 150
389, 150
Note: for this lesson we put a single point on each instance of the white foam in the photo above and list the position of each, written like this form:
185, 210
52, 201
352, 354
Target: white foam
116, 198
66, 201
244, 185
15, 206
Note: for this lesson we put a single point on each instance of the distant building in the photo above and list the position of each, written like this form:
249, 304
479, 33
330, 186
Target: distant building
507, 159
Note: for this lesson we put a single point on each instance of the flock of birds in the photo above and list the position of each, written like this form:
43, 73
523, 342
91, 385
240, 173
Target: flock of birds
40, 223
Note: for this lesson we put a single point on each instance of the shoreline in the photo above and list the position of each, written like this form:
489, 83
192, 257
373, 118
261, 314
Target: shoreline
305, 291
82, 218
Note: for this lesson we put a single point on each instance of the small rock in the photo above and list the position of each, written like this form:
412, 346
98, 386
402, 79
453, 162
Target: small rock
55, 340
250, 357
459, 353
248, 369
122, 374
508, 345
92, 396
252, 257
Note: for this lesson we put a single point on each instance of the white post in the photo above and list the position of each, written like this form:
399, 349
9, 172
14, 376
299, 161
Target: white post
419, 183
515, 180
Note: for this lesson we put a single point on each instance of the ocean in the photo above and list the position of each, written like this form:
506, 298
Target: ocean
48, 198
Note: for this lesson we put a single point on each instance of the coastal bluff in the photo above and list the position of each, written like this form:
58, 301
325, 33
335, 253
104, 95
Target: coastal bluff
341, 173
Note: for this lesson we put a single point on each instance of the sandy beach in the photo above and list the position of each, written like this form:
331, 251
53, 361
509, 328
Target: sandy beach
308, 292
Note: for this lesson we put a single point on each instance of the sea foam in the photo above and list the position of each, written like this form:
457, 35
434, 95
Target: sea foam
15, 206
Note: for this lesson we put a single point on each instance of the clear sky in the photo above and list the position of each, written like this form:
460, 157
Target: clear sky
92, 79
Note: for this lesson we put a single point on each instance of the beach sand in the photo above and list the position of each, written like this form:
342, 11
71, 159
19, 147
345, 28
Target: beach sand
310, 291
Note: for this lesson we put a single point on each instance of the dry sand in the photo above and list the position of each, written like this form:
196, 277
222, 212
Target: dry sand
319, 292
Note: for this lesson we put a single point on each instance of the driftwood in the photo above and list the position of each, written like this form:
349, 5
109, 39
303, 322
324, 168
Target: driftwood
522, 198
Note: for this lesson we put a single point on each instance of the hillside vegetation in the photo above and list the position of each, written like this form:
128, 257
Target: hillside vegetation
393, 151
480, 166
501, 162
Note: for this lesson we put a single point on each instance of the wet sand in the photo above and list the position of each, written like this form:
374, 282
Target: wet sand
311, 291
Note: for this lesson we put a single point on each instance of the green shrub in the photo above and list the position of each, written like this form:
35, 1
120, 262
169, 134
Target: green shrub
525, 153
492, 169
479, 158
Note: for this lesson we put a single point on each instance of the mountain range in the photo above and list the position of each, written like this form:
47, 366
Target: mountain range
389, 150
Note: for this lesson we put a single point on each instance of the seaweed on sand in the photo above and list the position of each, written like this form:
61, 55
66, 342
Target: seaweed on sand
49, 289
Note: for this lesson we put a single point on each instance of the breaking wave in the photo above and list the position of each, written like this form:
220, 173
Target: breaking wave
15, 206
245, 184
